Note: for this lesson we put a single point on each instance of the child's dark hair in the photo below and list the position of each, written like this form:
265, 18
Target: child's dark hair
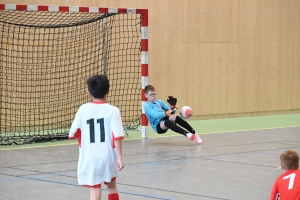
149, 88
98, 86
289, 160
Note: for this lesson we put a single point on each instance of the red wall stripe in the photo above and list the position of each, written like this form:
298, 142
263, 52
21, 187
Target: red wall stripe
142, 11
84, 9
63, 8
21, 7
43, 8
144, 14
144, 69
144, 120
144, 44
122, 10
103, 10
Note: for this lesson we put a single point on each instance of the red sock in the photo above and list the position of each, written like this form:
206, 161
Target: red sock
114, 196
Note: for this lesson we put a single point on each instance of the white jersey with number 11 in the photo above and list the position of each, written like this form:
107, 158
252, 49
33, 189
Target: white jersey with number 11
97, 126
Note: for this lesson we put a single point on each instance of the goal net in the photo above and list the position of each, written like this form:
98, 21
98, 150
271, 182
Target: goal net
46, 55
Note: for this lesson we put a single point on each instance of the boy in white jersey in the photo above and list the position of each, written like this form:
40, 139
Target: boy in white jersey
98, 128
161, 117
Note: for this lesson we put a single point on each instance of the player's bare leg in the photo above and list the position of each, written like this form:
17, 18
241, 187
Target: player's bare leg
172, 118
163, 126
112, 190
95, 193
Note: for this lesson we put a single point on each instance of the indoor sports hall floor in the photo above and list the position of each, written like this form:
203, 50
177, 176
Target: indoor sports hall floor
238, 160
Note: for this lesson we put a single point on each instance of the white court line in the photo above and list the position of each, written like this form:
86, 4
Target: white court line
160, 136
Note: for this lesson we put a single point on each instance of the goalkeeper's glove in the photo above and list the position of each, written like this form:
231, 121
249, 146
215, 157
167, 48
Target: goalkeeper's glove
172, 101
170, 112
174, 107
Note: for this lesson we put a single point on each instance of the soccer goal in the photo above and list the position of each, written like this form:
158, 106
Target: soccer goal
48, 52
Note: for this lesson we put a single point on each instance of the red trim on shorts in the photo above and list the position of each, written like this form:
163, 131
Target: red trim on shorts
99, 185
113, 179
92, 186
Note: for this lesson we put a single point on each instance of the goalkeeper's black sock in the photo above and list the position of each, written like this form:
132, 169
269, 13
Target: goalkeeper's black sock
184, 124
175, 128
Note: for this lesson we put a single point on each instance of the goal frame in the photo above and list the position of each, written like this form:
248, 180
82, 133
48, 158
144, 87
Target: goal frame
144, 38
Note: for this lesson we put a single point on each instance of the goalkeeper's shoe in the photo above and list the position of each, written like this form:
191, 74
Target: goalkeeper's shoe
197, 138
190, 136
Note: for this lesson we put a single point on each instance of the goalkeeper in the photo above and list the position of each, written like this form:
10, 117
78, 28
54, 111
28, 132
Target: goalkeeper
161, 116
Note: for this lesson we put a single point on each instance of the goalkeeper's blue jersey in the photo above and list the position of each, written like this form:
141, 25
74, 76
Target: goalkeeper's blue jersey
155, 112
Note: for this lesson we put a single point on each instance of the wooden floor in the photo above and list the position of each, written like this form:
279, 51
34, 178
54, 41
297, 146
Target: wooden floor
231, 165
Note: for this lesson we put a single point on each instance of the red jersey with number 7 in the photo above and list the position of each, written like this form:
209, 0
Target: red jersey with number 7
287, 186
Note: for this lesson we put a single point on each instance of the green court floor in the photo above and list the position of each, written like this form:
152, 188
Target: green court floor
202, 127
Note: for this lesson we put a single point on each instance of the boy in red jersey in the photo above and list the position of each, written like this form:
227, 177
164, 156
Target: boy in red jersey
98, 127
287, 185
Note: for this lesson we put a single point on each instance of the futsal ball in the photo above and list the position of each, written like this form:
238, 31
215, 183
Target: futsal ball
186, 112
